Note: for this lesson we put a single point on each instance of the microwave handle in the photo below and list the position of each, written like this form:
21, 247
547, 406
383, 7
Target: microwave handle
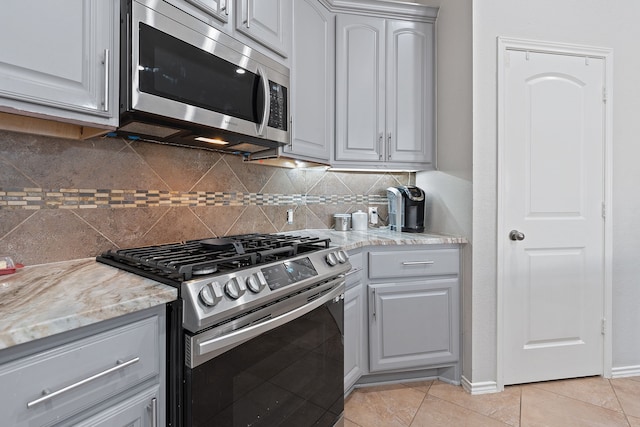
267, 102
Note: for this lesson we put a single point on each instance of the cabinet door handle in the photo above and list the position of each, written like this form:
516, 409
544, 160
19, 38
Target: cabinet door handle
223, 6
50, 395
389, 146
106, 79
418, 262
380, 146
249, 15
154, 412
373, 294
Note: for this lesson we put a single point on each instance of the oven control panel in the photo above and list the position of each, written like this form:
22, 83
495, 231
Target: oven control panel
212, 299
288, 273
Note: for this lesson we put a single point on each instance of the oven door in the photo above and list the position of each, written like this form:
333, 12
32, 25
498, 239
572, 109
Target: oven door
182, 69
284, 371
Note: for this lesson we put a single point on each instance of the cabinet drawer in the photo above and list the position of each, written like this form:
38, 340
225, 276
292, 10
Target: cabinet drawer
419, 263
63, 381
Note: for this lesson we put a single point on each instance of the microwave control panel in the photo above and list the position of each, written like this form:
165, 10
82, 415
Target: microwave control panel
278, 106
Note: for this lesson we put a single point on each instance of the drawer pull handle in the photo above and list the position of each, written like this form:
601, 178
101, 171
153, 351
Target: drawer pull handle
418, 262
49, 395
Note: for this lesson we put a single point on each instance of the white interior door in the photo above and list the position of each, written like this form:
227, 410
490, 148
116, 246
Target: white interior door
552, 115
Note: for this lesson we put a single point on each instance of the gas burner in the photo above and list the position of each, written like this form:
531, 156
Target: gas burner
204, 271
175, 263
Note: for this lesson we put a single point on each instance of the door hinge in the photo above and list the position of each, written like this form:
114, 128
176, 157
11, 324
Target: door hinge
604, 210
603, 326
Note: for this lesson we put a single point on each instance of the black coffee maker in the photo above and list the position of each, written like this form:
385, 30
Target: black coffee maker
406, 208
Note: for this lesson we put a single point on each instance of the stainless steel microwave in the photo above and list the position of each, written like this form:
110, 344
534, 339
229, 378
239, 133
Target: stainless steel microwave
184, 82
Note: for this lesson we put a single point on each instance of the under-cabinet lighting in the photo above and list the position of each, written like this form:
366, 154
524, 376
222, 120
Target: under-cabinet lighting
211, 140
338, 169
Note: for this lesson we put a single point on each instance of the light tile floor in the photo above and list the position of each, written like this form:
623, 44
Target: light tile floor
582, 402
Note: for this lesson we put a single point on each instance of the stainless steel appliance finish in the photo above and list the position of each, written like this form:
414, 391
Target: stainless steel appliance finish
184, 82
261, 327
406, 208
394, 198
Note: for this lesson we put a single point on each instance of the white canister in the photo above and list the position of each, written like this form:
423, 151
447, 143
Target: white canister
359, 221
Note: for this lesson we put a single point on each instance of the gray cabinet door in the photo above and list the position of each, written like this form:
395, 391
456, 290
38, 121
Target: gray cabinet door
354, 336
384, 92
410, 92
413, 325
312, 81
360, 94
140, 410
59, 59
74, 378
265, 21
217, 13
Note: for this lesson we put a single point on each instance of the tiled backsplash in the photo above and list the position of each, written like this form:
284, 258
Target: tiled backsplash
64, 199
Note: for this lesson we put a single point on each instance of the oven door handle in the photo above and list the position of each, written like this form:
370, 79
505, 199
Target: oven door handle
223, 343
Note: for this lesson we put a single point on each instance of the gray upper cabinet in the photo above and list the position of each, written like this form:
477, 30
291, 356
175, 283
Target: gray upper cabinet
216, 12
262, 24
59, 60
265, 21
360, 94
384, 92
312, 82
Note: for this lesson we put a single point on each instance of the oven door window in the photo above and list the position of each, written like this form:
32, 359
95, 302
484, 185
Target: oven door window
289, 376
173, 69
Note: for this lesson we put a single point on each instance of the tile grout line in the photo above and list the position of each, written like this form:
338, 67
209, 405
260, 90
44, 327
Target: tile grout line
626, 417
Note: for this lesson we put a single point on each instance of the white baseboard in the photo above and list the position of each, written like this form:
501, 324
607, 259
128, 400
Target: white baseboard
479, 387
625, 371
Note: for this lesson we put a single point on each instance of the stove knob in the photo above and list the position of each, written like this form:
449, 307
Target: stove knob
256, 283
332, 259
235, 288
210, 294
342, 257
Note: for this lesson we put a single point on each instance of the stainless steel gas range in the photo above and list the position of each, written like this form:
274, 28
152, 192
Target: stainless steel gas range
256, 336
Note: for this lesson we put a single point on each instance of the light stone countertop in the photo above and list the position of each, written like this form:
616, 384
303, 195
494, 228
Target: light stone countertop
380, 237
43, 300
46, 299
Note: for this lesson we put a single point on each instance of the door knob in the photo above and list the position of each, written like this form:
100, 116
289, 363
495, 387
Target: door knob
516, 235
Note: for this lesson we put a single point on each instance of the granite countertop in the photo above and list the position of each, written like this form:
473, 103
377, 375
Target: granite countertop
43, 300
381, 237
46, 299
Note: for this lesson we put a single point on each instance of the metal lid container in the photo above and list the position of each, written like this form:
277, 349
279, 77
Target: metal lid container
342, 222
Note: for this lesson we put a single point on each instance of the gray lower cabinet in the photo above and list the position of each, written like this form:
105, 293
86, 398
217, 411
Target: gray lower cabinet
413, 324
414, 307
60, 60
115, 377
402, 314
355, 326
140, 410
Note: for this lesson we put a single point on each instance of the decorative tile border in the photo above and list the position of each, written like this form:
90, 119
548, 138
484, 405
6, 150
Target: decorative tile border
69, 198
